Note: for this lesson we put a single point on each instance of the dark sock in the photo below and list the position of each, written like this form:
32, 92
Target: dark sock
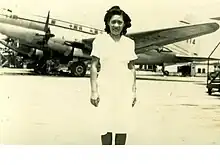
107, 138
120, 139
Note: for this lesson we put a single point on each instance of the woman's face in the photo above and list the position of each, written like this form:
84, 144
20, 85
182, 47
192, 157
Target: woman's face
116, 24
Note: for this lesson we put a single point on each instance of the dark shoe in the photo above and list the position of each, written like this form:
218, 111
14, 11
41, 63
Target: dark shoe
107, 138
120, 139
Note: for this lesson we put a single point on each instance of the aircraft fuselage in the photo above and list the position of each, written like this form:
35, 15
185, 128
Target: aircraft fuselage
31, 38
15, 20
153, 58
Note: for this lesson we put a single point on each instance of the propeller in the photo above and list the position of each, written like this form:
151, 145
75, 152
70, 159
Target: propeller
75, 44
47, 31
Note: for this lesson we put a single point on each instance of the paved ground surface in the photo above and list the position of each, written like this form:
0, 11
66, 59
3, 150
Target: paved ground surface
56, 110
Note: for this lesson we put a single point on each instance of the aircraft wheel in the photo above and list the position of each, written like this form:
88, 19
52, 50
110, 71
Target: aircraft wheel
52, 66
78, 69
209, 91
166, 73
40, 69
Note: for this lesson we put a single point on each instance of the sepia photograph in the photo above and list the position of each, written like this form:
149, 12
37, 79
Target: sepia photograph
110, 72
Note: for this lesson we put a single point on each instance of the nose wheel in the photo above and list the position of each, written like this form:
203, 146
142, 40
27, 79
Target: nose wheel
165, 72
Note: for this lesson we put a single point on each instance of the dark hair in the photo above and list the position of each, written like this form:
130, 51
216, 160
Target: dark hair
115, 10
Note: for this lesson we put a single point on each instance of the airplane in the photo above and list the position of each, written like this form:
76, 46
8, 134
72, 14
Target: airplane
44, 46
164, 56
187, 51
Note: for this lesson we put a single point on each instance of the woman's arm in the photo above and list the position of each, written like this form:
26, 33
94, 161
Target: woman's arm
95, 54
93, 77
132, 68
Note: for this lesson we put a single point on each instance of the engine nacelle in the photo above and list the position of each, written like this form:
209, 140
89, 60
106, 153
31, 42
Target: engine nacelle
39, 53
78, 45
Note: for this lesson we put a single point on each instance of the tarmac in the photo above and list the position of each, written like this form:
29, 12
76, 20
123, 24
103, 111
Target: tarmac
56, 110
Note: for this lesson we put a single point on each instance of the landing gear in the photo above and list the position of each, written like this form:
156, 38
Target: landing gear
165, 72
47, 66
50, 62
77, 69
52, 66
210, 91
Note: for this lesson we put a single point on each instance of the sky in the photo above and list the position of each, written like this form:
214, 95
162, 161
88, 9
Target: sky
145, 14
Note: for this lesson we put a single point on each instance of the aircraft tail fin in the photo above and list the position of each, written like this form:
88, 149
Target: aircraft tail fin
191, 46
216, 18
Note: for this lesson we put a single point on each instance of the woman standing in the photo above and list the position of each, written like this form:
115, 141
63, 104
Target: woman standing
113, 88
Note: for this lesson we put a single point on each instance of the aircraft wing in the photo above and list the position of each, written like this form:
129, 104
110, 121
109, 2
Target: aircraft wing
186, 59
194, 58
153, 39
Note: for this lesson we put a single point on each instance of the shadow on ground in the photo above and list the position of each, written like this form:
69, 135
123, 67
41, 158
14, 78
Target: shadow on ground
32, 73
171, 80
139, 77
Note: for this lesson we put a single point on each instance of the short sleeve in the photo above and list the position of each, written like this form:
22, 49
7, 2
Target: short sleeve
133, 54
96, 48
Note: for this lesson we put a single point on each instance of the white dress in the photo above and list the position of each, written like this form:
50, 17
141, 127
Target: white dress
115, 82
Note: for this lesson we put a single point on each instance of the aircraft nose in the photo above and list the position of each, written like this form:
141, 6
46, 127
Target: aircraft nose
3, 37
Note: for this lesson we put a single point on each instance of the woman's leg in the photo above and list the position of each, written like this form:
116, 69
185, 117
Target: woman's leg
120, 139
107, 138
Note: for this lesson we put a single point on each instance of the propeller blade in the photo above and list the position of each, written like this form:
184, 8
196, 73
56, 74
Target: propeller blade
47, 31
46, 28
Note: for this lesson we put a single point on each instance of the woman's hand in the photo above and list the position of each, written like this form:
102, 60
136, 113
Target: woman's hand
134, 99
94, 99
